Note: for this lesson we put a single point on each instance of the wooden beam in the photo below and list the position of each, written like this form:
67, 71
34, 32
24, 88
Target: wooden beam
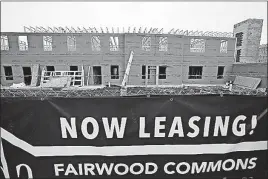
145, 30
146, 75
140, 30
157, 75
125, 79
88, 75
171, 31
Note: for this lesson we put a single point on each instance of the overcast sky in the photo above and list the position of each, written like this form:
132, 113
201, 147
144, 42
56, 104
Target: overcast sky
203, 16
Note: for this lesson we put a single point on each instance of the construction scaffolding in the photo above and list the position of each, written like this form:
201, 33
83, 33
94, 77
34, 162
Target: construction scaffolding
141, 30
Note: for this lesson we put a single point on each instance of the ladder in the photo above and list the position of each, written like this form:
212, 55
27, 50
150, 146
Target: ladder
124, 82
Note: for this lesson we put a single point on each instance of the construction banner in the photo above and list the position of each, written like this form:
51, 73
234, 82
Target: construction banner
154, 137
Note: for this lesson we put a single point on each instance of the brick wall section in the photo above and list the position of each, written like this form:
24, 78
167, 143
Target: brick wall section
252, 29
255, 70
263, 53
178, 58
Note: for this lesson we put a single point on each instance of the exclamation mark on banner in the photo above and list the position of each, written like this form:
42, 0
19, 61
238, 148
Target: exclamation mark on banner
253, 124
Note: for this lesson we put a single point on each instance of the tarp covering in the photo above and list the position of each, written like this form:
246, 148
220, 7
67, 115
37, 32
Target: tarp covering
58, 82
156, 137
247, 82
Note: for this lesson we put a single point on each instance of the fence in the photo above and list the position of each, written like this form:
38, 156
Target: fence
131, 91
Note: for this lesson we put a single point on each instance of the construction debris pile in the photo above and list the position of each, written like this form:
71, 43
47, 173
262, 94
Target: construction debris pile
188, 90
132, 91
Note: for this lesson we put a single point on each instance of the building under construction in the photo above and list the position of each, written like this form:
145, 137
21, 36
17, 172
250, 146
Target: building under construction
131, 57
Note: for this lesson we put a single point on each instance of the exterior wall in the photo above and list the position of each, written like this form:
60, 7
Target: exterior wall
262, 54
210, 60
178, 58
252, 29
172, 59
255, 70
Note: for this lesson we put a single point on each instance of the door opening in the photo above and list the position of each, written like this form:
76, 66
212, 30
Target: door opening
97, 77
152, 75
27, 73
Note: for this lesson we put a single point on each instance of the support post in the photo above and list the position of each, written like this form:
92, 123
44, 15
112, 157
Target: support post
83, 77
157, 75
88, 74
146, 75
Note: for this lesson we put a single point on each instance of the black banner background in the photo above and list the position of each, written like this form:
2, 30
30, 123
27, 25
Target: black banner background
37, 122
